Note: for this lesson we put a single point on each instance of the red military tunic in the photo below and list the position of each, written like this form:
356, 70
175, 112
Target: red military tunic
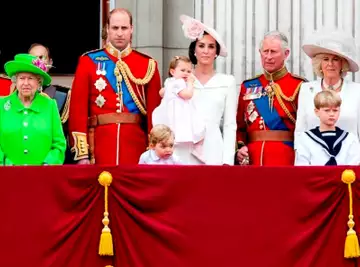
5, 84
260, 120
95, 92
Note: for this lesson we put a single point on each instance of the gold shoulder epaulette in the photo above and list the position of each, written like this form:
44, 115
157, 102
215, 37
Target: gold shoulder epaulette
142, 54
4, 76
299, 77
91, 51
253, 78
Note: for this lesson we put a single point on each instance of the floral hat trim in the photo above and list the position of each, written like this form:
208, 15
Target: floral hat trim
193, 29
40, 64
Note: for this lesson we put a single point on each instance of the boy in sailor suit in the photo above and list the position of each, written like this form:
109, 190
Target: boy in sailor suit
327, 144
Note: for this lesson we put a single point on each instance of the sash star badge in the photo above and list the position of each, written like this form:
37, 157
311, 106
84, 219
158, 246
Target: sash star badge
100, 101
100, 84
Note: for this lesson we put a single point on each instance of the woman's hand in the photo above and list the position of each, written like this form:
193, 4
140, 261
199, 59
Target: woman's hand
191, 79
84, 162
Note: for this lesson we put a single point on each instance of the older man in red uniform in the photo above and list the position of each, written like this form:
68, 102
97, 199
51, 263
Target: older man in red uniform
5, 84
267, 108
114, 93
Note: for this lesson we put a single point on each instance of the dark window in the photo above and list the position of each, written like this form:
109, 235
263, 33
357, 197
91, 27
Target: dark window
68, 27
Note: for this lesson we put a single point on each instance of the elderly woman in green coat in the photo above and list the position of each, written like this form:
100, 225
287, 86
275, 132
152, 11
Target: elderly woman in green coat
30, 126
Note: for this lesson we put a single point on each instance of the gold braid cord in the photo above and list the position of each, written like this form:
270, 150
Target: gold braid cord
280, 96
65, 113
123, 69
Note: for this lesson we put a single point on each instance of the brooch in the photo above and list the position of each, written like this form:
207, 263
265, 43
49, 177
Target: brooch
7, 105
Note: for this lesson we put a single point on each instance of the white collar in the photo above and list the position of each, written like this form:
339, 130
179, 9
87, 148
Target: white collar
335, 86
153, 155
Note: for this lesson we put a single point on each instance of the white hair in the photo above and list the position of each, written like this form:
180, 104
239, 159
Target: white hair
39, 77
276, 35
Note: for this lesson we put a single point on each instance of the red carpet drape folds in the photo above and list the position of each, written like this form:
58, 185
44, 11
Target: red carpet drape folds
172, 216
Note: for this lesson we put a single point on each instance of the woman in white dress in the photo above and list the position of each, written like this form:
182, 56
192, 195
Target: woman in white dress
215, 96
333, 54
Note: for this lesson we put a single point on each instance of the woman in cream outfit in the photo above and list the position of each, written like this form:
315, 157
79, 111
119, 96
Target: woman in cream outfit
333, 54
215, 96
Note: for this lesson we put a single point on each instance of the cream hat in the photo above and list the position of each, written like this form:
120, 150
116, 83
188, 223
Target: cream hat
335, 43
194, 29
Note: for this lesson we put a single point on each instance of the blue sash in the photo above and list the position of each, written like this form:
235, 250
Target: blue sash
102, 58
271, 118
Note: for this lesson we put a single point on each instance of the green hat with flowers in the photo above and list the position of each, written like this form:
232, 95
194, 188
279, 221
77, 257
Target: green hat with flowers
30, 64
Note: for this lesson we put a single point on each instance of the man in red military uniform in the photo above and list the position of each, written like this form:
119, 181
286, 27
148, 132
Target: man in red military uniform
114, 93
267, 108
5, 84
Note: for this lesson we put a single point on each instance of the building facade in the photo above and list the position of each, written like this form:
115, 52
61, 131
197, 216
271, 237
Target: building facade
242, 23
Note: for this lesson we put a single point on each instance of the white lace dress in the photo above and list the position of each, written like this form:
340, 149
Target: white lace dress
179, 114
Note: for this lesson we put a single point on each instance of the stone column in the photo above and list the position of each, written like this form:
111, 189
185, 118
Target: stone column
157, 28
175, 44
148, 26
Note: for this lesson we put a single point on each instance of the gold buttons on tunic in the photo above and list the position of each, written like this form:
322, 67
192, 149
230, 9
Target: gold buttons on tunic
26, 137
25, 124
118, 110
25, 112
26, 151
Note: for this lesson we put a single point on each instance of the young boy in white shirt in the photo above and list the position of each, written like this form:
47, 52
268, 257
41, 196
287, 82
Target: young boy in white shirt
161, 147
327, 144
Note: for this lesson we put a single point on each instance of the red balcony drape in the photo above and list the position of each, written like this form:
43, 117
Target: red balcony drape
176, 216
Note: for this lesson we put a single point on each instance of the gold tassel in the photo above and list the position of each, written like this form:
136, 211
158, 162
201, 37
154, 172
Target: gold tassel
106, 242
351, 249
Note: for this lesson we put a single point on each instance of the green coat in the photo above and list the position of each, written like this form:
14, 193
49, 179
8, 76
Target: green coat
30, 135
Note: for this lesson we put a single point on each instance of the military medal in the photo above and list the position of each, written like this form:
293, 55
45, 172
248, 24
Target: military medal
253, 93
98, 70
103, 71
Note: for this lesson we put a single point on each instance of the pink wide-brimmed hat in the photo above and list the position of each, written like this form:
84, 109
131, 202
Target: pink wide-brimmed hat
194, 29
333, 42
